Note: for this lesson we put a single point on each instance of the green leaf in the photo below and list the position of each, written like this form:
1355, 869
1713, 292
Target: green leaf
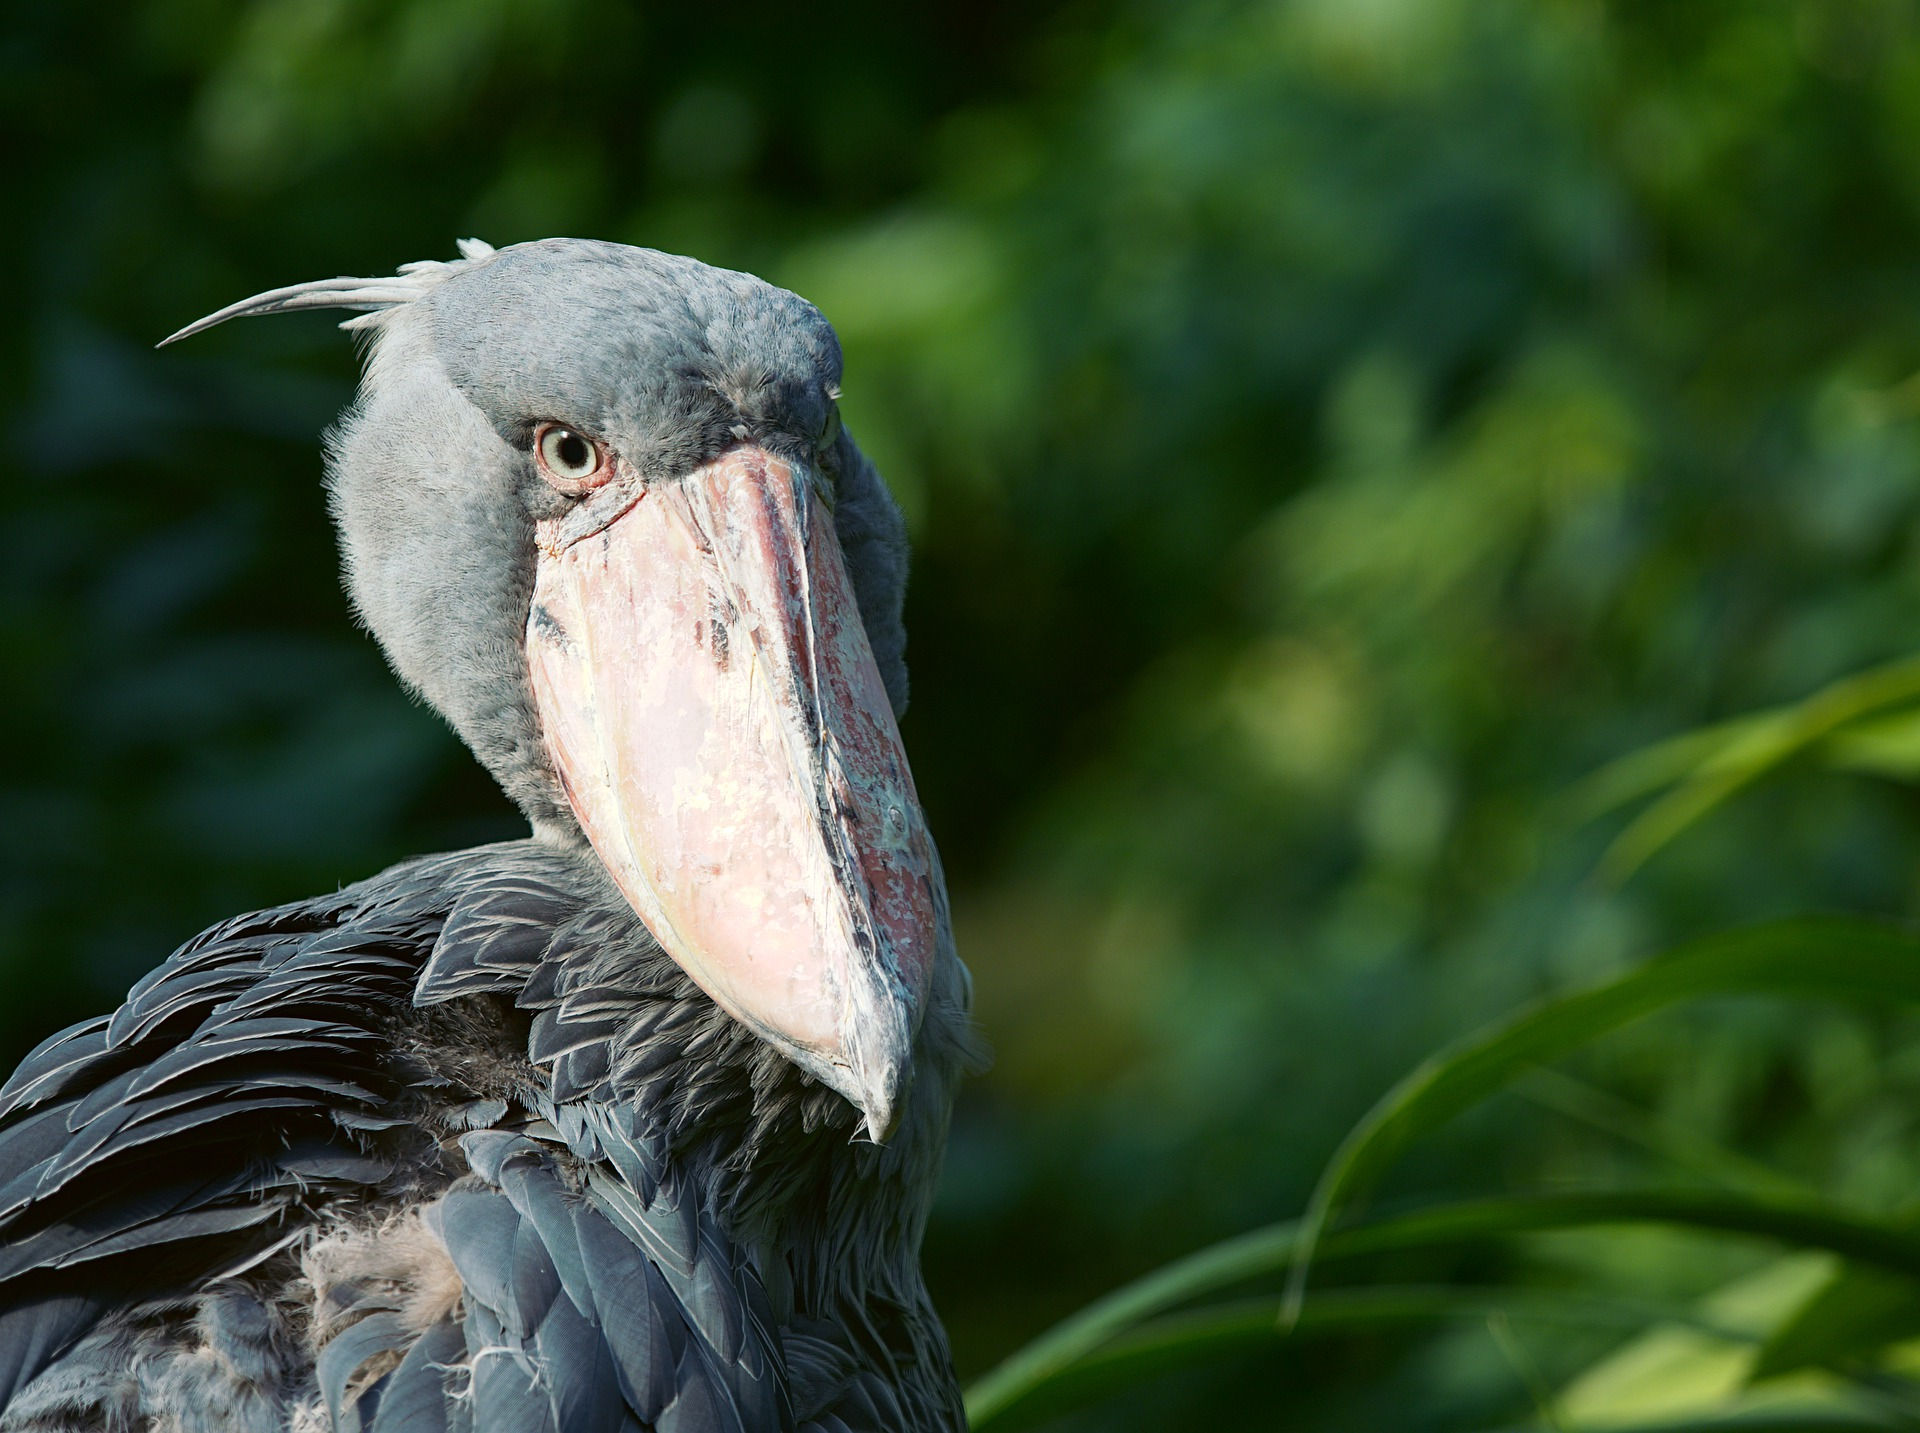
1839, 1421
1860, 1311
1836, 958
1801, 1222
1648, 769
1597, 1109
1796, 1221
1669, 1372
1886, 746
1706, 767
1828, 957
1177, 1341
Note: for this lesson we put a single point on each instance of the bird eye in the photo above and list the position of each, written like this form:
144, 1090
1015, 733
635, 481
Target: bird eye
830, 430
571, 461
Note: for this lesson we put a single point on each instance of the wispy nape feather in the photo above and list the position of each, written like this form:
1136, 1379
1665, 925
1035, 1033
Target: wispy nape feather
367, 297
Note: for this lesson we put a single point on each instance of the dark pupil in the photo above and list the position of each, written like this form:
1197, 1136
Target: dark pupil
573, 451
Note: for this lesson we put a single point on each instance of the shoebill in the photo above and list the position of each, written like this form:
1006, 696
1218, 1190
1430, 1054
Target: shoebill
631, 1124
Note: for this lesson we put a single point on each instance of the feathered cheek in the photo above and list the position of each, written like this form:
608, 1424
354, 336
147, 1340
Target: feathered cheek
711, 704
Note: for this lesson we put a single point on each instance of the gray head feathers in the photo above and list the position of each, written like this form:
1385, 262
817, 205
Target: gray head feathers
431, 480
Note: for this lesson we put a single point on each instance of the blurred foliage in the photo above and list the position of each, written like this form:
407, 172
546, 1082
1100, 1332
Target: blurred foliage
1760, 1344
1338, 435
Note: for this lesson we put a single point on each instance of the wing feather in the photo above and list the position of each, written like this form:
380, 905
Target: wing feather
641, 1318
179, 1139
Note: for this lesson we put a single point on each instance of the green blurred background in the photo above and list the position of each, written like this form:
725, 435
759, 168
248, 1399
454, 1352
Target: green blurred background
1330, 429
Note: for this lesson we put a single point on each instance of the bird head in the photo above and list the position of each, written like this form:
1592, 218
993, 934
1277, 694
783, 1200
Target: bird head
596, 504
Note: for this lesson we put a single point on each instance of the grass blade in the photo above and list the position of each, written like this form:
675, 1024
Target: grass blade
1834, 958
1088, 1335
1838, 1421
1599, 1110
1860, 1311
1707, 767
1233, 1261
1804, 1223
1176, 1341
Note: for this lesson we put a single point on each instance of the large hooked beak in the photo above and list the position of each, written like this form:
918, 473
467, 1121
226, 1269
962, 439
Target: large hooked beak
712, 707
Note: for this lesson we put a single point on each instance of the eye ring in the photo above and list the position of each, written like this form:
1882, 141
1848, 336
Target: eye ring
569, 460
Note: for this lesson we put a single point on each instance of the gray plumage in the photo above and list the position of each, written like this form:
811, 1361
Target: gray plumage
435, 496
461, 1147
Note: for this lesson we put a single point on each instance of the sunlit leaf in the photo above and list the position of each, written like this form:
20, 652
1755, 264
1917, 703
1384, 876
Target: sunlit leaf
1886, 746
1790, 1421
1805, 1223
1860, 1311
1245, 1326
1675, 1370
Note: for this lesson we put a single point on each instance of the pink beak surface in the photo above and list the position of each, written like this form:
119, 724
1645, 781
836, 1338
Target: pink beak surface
713, 709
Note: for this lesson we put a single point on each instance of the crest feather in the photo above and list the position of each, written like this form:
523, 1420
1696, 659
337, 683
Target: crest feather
370, 298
